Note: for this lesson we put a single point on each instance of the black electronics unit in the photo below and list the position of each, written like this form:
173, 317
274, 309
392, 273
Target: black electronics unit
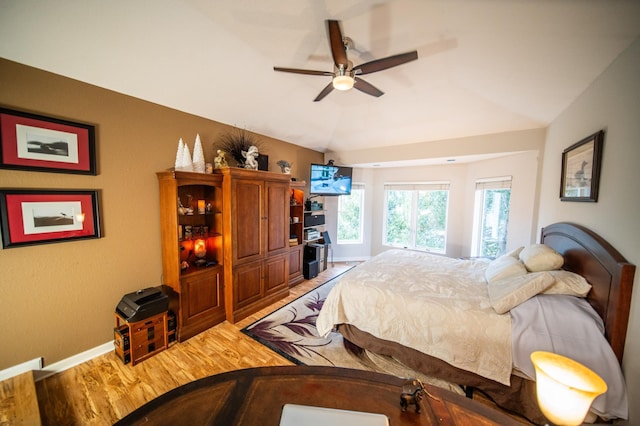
313, 219
310, 269
142, 304
317, 252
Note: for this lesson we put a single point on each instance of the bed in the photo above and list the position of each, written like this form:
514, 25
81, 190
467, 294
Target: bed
502, 376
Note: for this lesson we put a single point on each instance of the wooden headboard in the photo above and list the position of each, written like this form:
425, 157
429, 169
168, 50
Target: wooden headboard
610, 275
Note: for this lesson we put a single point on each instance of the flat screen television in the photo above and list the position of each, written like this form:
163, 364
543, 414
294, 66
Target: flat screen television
329, 180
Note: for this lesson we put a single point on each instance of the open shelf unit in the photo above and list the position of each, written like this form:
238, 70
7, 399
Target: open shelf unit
296, 221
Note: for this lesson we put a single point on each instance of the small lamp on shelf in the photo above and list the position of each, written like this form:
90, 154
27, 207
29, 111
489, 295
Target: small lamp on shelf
200, 250
565, 388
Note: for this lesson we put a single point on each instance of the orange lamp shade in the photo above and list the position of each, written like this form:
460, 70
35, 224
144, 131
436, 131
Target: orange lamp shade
565, 388
200, 248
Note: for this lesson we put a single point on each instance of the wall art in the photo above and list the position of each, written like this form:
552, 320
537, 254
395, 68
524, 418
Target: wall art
581, 169
31, 216
43, 144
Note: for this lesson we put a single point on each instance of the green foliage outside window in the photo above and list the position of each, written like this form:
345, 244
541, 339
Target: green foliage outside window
398, 218
432, 220
350, 216
428, 218
495, 220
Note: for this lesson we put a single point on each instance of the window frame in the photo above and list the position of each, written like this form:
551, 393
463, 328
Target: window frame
415, 189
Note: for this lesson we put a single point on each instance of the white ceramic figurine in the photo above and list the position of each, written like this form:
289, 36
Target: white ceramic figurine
251, 155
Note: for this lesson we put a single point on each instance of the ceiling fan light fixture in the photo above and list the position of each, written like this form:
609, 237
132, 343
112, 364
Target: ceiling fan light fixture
343, 82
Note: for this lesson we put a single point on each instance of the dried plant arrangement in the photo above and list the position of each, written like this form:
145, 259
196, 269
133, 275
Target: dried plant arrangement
236, 141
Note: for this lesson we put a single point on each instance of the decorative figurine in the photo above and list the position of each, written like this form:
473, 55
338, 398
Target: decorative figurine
220, 162
198, 156
412, 393
250, 158
179, 155
187, 162
285, 166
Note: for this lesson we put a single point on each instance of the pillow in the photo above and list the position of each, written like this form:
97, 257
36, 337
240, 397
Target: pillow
515, 252
539, 257
504, 267
568, 283
508, 293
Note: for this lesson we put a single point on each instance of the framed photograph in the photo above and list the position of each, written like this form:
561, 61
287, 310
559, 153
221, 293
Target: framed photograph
581, 169
43, 144
29, 216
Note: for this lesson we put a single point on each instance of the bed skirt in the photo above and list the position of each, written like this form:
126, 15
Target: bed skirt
519, 398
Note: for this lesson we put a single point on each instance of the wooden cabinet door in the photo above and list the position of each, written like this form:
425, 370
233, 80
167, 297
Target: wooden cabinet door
277, 206
247, 284
247, 219
202, 301
295, 265
276, 273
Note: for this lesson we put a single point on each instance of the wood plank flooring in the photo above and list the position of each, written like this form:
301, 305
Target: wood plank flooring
18, 401
103, 390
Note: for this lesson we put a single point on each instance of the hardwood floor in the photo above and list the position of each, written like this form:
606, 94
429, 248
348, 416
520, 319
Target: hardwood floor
103, 390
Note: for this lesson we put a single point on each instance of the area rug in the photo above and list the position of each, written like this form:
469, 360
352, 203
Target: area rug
291, 332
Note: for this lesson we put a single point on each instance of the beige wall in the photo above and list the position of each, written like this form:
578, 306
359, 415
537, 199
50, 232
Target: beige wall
611, 103
57, 300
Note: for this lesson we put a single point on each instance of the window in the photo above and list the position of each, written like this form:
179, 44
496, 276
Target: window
416, 215
491, 218
350, 214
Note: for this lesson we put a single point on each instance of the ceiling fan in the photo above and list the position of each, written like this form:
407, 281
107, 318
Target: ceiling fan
346, 76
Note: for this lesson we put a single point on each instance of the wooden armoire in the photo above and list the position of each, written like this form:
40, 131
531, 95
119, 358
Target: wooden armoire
256, 239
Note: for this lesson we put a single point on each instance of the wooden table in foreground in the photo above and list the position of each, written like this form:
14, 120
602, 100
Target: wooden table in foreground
256, 396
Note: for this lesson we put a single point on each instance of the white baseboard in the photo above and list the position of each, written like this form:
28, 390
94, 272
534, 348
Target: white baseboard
39, 372
34, 364
72, 361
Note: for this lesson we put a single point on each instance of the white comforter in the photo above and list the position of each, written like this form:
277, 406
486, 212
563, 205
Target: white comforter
434, 304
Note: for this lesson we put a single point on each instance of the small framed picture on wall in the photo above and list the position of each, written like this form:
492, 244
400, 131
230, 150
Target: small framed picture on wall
581, 169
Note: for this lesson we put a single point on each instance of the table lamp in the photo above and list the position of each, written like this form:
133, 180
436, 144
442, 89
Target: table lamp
565, 388
200, 248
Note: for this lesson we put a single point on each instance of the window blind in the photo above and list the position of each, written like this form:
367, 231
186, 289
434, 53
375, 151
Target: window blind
417, 186
494, 183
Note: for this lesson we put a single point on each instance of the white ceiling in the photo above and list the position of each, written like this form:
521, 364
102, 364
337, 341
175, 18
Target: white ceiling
485, 66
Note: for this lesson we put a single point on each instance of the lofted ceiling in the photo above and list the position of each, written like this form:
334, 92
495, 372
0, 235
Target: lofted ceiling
484, 66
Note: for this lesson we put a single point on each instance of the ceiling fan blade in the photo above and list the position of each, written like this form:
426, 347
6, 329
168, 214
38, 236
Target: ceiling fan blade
367, 88
324, 92
299, 71
384, 63
338, 51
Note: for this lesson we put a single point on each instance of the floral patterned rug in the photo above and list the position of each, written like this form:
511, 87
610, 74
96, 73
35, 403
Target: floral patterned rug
291, 332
